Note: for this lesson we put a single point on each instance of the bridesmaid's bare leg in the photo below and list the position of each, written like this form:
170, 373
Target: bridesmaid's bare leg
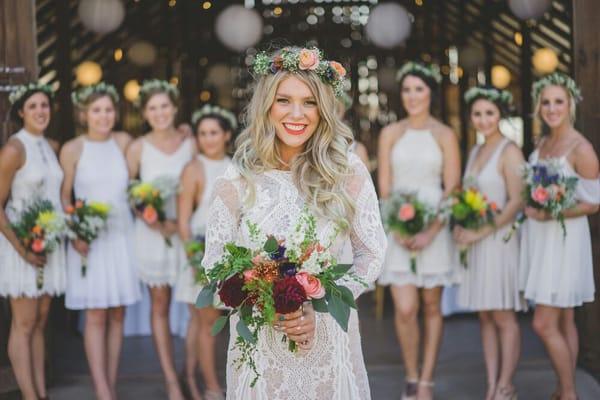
24, 314
114, 341
206, 347
434, 325
191, 351
489, 340
94, 340
38, 345
406, 306
510, 346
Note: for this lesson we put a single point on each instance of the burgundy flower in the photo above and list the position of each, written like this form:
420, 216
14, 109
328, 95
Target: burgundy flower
231, 292
287, 269
288, 294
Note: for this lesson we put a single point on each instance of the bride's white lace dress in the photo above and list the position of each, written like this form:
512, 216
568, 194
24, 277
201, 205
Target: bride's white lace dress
334, 368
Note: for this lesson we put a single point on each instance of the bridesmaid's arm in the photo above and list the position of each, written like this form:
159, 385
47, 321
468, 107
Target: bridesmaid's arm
192, 185
384, 165
361, 152
133, 156
587, 167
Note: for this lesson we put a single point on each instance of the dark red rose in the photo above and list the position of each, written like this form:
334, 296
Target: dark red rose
288, 295
231, 292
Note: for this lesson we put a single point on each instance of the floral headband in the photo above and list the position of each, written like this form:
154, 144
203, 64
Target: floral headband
494, 95
22, 90
429, 70
295, 59
80, 97
152, 85
558, 79
208, 110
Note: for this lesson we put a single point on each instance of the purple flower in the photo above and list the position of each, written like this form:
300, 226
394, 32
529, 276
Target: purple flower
287, 269
278, 255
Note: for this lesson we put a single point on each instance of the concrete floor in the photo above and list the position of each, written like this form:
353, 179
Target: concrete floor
460, 373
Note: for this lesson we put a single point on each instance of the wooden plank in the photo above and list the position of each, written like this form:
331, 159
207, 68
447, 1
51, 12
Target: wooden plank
586, 44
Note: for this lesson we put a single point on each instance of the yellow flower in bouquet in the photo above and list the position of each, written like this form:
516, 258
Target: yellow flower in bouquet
100, 208
142, 190
46, 219
475, 200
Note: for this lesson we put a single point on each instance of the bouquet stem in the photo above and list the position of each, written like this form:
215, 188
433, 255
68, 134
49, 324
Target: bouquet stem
168, 241
463, 256
83, 266
516, 225
292, 346
413, 262
39, 278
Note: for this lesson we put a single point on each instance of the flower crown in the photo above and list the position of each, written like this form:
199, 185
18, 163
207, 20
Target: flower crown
208, 110
494, 95
429, 70
296, 59
80, 97
558, 79
152, 85
22, 90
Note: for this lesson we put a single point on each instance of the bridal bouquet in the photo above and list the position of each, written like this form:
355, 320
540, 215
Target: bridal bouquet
406, 215
149, 198
277, 276
194, 249
40, 229
85, 221
470, 209
548, 189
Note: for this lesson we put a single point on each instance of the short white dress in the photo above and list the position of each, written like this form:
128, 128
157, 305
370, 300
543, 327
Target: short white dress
40, 177
111, 279
555, 270
186, 289
417, 163
491, 280
159, 264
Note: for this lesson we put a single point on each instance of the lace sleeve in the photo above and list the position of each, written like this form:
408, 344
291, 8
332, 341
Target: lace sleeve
366, 230
223, 220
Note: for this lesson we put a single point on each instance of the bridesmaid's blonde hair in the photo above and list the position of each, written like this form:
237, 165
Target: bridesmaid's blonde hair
320, 170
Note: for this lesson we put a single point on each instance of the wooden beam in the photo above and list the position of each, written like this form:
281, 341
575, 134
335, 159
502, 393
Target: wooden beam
526, 81
64, 74
587, 74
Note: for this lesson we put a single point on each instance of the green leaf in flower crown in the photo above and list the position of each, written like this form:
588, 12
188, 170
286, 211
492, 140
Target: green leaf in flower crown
219, 325
244, 331
347, 296
338, 310
206, 296
320, 305
271, 245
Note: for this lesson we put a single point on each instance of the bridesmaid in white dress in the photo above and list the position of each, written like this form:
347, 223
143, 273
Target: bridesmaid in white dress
161, 153
29, 169
95, 170
419, 154
276, 174
490, 284
557, 272
214, 127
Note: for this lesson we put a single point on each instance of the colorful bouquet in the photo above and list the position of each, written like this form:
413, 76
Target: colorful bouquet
149, 199
546, 188
277, 276
194, 250
85, 221
406, 215
40, 229
470, 209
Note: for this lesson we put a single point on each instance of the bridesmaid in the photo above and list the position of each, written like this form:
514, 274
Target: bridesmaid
557, 272
490, 284
344, 104
95, 170
161, 153
419, 154
214, 127
28, 169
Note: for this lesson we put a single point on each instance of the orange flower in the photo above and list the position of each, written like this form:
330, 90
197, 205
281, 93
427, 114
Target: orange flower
150, 215
78, 204
37, 230
494, 206
309, 60
38, 245
341, 71
70, 209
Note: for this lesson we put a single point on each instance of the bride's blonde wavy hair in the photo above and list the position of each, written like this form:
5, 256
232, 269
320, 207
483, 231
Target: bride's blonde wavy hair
321, 169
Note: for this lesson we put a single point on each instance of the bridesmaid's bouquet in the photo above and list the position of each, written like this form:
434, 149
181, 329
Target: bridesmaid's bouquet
406, 215
548, 189
277, 276
85, 221
470, 209
149, 199
40, 229
194, 249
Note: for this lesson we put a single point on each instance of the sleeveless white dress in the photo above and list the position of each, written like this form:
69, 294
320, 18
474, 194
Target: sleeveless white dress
159, 264
491, 281
111, 279
186, 289
557, 271
39, 178
334, 368
417, 163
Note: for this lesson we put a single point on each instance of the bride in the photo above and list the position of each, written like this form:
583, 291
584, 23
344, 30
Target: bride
294, 153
